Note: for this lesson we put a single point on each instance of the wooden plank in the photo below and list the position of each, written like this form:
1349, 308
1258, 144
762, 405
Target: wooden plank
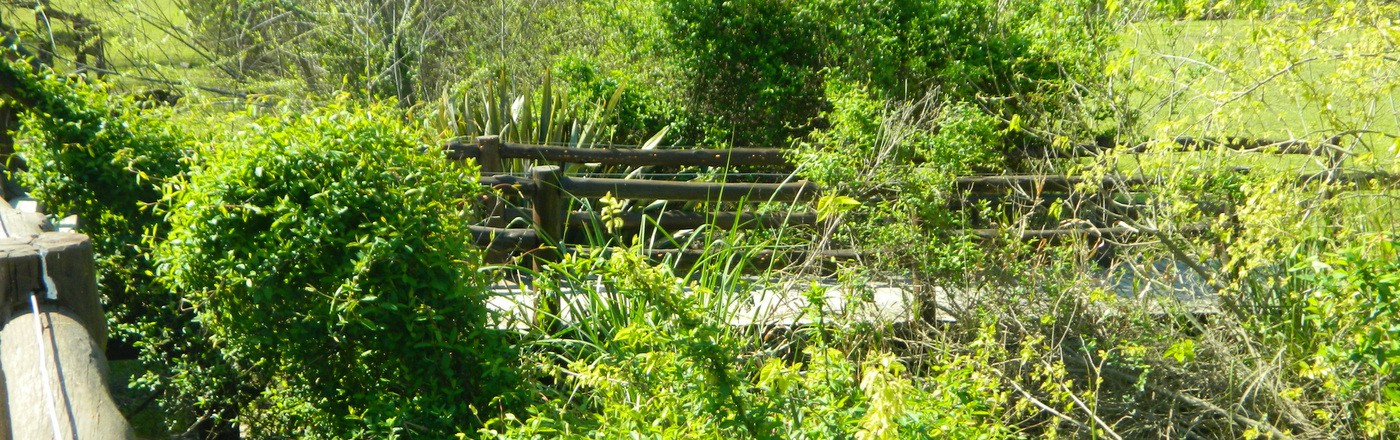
672, 220
714, 157
522, 185
696, 191
15, 223
501, 243
1078, 232
676, 220
461, 151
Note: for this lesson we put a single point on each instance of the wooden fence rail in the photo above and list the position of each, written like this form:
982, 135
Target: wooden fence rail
1059, 183
1188, 143
677, 220
489, 151
548, 192
545, 195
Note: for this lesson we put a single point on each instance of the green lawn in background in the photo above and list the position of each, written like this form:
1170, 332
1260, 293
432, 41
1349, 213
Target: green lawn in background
143, 38
1180, 69
1172, 61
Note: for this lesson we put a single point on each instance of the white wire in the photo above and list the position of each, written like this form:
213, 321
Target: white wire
49, 287
44, 365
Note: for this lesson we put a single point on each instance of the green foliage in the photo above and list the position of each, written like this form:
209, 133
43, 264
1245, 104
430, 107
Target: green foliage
344, 246
911, 150
411, 50
1201, 9
582, 107
377, 50
753, 67
545, 113
757, 68
639, 109
1352, 319
101, 157
328, 258
1311, 70
670, 365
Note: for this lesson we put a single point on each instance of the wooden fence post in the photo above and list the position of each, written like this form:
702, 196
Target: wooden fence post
63, 356
490, 159
550, 214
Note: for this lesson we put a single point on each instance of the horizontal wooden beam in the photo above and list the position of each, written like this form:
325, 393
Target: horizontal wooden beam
714, 157
523, 185
503, 243
695, 191
1183, 143
1031, 234
676, 220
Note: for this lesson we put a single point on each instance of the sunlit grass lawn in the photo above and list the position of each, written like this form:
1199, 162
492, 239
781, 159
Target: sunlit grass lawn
1205, 78
1181, 67
1188, 79
142, 38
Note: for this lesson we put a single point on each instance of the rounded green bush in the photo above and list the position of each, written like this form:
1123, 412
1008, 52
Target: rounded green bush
328, 257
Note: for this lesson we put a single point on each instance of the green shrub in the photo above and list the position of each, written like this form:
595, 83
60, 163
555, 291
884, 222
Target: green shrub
672, 366
752, 66
639, 110
905, 156
99, 157
1350, 331
756, 69
328, 256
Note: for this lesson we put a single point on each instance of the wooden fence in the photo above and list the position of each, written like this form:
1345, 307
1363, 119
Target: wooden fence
547, 198
544, 202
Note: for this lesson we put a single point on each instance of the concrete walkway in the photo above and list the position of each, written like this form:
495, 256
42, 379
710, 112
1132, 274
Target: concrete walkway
785, 302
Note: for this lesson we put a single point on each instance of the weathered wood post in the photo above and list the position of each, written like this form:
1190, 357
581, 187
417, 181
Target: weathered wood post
549, 217
490, 159
52, 361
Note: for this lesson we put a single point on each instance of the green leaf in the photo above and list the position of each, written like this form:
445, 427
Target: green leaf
830, 206
1183, 351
